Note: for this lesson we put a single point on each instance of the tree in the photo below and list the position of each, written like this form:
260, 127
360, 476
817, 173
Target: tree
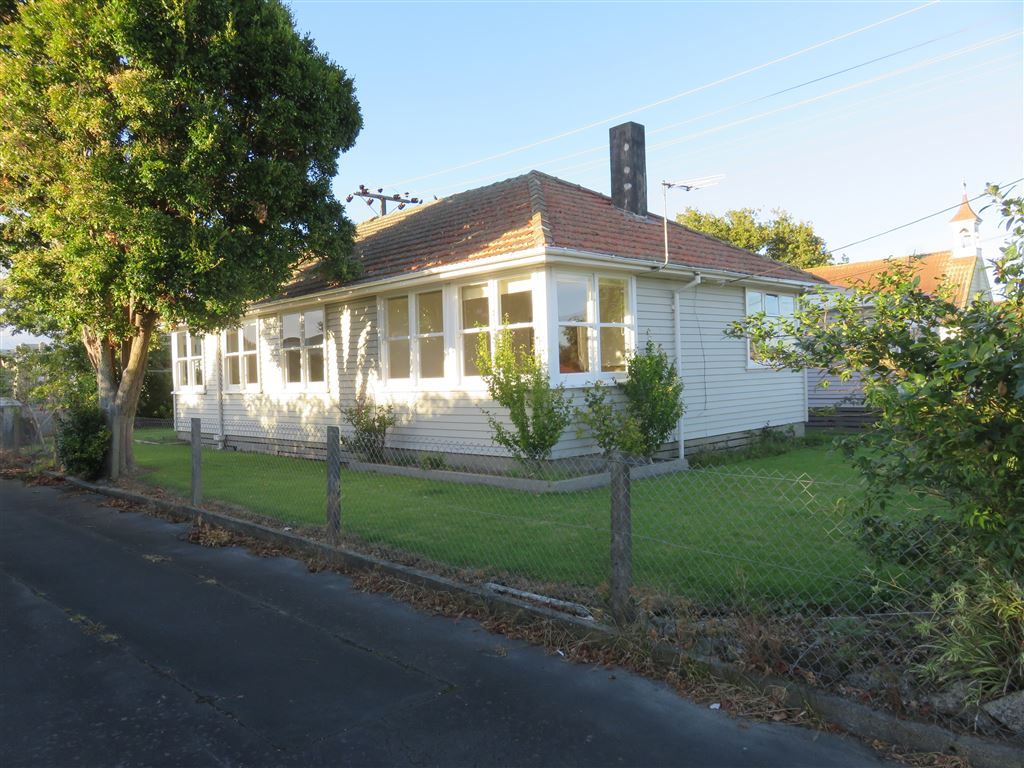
781, 238
161, 163
947, 383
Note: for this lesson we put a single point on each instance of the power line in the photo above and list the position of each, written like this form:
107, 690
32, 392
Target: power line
666, 100
918, 221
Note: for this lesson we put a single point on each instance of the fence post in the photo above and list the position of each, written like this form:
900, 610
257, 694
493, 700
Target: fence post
333, 484
197, 464
622, 540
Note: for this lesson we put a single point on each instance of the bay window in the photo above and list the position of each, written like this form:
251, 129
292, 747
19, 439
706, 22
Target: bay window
241, 364
493, 306
187, 351
302, 348
595, 325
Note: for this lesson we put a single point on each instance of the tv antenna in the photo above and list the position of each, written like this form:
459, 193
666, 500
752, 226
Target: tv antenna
402, 200
687, 185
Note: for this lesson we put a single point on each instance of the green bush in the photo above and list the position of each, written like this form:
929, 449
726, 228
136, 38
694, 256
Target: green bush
83, 440
653, 393
370, 423
517, 381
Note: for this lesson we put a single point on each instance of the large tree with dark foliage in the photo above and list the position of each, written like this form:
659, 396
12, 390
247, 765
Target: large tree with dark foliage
161, 162
781, 237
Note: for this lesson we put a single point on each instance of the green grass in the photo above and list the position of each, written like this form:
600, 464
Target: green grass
748, 531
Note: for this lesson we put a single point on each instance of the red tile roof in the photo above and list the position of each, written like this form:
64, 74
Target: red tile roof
524, 212
932, 268
965, 212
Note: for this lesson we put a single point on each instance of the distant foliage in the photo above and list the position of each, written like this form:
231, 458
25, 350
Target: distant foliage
782, 238
82, 440
653, 405
517, 381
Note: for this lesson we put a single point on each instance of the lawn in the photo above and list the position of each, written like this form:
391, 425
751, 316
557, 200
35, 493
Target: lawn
774, 528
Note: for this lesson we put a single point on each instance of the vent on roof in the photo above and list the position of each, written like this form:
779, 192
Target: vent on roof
629, 167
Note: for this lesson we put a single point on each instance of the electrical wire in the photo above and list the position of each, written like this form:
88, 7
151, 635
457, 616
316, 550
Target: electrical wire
666, 100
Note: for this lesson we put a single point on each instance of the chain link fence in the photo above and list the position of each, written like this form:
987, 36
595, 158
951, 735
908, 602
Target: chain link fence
776, 571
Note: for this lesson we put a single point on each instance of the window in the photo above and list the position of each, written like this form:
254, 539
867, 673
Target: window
415, 336
496, 304
594, 325
772, 305
302, 347
188, 361
241, 364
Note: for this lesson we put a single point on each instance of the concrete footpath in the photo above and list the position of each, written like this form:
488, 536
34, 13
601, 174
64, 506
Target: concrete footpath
123, 644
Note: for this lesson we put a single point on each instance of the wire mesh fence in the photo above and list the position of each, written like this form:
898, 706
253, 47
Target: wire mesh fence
776, 571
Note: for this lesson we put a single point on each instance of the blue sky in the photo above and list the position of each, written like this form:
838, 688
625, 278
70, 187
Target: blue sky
444, 85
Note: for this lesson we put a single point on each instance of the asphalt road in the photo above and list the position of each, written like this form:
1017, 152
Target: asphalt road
123, 644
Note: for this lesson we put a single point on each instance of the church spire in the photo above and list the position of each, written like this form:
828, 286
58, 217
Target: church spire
964, 228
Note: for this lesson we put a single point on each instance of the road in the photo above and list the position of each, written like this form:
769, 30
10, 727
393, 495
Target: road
123, 644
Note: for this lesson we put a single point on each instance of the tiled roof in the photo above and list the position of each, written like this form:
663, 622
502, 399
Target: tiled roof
932, 268
524, 212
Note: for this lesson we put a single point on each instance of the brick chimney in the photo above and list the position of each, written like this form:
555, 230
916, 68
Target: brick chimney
629, 167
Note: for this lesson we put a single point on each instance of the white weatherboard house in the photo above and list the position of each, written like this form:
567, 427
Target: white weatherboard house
581, 276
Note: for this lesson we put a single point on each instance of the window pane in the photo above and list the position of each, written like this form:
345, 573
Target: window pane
315, 360
398, 316
314, 327
249, 337
613, 349
612, 298
231, 341
572, 300
755, 303
293, 366
197, 345
470, 347
431, 319
252, 375
432, 358
522, 342
181, 369
771, 304
179, 344
398, 359
786, 305
234, 372
516, 301
291, 331
475, 307
197, 373
572, 350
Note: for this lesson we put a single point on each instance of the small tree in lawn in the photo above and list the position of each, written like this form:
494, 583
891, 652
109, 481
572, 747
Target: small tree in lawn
161, 162
517, 381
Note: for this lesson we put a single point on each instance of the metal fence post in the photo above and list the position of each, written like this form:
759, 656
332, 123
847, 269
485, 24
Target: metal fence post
334, 484
197, 464
622, 540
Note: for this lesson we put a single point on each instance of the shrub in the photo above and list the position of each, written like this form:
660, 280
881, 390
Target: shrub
517, 381
370, 423
653, 392
82, 441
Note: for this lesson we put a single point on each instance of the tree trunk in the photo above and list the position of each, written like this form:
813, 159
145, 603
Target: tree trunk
119, 390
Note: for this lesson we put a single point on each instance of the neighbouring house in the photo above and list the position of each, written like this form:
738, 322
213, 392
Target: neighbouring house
961, 269
581, 277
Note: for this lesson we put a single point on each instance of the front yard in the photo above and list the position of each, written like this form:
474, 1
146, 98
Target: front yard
776, 529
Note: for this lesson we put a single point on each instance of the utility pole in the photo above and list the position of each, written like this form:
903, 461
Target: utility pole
402, 200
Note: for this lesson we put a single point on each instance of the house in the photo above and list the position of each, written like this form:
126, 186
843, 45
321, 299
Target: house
961, 269
581, 277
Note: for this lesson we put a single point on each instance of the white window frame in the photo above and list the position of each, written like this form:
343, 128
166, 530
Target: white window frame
414, 337
752, 364
593, 325
190, 360
492, 291
304, 383
245, 358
